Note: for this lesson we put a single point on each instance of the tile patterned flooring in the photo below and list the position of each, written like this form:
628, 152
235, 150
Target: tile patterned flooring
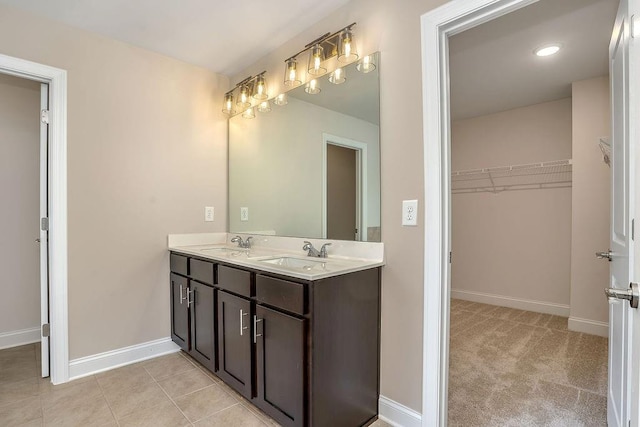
172, 390
511, 367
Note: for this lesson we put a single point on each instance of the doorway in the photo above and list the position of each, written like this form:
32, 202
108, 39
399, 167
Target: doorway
452, 18
344, 189
56, 222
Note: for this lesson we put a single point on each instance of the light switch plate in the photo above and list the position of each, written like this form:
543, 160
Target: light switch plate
410, 212
208, 213
244, 214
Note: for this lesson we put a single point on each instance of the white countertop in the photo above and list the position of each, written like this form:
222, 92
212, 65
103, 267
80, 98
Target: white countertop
344, 257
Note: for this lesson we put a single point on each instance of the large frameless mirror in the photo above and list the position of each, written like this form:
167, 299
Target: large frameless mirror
310, 167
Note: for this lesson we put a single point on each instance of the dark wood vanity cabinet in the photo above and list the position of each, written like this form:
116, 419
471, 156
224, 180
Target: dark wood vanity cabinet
305, 352
193, 310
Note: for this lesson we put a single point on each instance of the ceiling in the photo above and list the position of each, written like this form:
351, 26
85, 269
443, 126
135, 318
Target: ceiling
493, 67
224, 37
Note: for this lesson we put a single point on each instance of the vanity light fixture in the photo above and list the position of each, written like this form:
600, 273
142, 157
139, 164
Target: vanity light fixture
547, 50
339, 44
228, 104
367, 64
291, 77
312, 87
253, 87
264, 107
338, 76
249, 113
260, 87
346, 46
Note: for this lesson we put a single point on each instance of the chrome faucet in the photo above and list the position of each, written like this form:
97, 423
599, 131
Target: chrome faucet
245, 244
311, 251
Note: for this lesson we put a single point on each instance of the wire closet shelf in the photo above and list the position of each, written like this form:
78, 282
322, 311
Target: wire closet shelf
553, 174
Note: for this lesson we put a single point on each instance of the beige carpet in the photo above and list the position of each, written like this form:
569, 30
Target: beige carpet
511, 367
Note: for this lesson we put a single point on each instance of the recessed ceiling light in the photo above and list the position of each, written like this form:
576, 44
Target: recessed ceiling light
547, 50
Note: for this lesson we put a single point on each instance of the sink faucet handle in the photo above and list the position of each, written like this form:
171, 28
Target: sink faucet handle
311, 251
323, 250
247, 243
307, 245
238, 239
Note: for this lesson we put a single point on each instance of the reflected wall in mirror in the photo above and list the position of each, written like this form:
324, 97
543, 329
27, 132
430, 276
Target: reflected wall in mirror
311, 168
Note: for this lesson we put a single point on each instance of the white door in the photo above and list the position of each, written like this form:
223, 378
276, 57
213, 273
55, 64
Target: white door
623, 349
44, 234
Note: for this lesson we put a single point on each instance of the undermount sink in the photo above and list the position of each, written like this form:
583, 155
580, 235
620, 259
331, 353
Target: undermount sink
296, 263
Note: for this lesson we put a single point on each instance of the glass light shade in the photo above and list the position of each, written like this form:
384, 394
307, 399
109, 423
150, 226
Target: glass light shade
249, 113
366, 65
228, 104
243, 98
260, 88
291, 77
347, 47
312, 87
316, 57
264, 107
339, 75
281, 99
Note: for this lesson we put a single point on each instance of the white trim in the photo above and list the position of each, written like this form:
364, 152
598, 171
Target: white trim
44, 234
21, 337
397, 414
108, 360
512, 302
593, 327
436, 26
362, 207
58, 315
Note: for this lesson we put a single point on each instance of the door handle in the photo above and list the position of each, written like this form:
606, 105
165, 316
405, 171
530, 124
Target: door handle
242, 327
255, 329
605, 255
632, 294
38, 240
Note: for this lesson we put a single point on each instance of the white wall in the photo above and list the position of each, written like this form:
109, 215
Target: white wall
146, 153
19, 215
276, 167
591, 201
514, 244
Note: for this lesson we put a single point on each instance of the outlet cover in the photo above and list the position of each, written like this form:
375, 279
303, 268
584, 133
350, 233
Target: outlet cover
208, 213
410, 212
244, 214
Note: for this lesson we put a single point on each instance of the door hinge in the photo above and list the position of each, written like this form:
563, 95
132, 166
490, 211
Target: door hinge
44, 224
44, 116
450, 255
633, 229
46, 330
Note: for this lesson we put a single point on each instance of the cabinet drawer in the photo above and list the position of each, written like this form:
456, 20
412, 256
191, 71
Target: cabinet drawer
280, 293
202, 271
234, 280
178, 264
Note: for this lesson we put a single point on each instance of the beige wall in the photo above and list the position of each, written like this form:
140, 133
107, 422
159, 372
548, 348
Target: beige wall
146, 153
394, 30
20, 195
515, 243
276, 161
591, 199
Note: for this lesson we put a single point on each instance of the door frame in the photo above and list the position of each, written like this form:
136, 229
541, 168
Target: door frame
58, 304
436, 27
361, 183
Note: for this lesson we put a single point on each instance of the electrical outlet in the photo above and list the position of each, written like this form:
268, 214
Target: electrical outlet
244, 214
208, 213
410, 212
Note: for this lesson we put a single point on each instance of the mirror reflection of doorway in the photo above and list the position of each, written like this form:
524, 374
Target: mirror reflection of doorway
342, 193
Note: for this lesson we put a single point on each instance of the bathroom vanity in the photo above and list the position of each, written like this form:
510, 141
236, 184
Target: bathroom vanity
297, 336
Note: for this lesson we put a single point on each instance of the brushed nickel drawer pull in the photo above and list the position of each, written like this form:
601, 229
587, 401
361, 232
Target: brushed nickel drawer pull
242, 327
255, 329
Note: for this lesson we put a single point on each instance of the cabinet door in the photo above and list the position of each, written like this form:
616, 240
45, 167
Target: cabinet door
234, 342
202, 324
280, 366
179, 311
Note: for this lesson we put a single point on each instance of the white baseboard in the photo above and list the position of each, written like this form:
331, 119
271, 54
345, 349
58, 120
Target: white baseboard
101, 362
21, 337
511, 302
397, 414
587, 326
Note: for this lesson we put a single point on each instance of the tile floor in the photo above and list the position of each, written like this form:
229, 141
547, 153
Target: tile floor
172, 390
511, 367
